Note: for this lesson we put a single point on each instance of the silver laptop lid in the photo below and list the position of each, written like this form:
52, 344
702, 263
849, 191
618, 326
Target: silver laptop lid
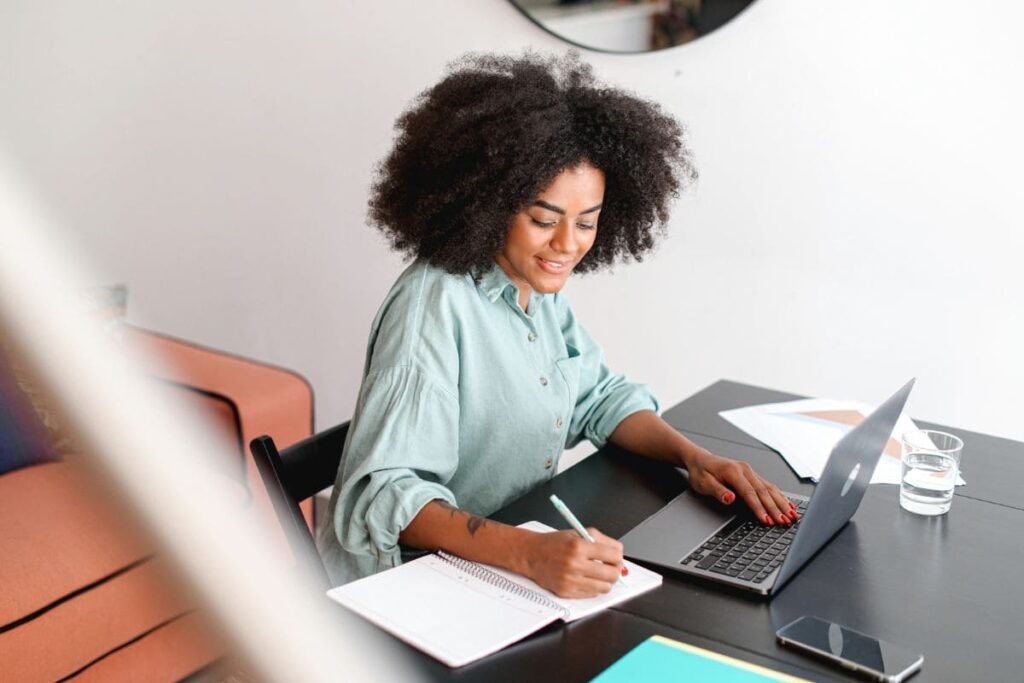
843, 483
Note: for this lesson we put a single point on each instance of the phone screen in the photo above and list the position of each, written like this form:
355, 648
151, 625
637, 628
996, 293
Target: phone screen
850, 648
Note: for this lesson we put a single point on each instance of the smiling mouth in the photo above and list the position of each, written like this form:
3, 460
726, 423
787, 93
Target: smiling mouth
553, 267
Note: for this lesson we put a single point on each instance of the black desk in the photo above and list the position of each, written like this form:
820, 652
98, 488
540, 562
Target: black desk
945, 586
993, 467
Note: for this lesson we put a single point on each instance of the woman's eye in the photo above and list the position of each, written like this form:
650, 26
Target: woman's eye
585, 226
542, 224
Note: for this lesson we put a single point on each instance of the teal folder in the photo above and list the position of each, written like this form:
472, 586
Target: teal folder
663, 659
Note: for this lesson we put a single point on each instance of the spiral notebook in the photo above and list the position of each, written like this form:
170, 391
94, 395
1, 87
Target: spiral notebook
459, 611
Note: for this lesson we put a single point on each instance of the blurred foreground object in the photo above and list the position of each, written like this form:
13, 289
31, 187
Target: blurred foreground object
146, 455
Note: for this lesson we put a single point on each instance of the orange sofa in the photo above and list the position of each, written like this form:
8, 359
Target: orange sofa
82, 596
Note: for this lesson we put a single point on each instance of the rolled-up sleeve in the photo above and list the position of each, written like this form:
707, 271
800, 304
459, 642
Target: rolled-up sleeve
605, 398
401, 453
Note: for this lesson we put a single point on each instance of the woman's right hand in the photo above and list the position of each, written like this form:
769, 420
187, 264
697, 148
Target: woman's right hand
571, 567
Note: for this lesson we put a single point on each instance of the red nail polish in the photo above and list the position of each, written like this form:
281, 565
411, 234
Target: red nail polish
625, 571
768, 521
794, 514
785, 519
728, 497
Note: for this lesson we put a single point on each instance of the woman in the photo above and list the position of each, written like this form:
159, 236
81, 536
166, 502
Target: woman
505, 178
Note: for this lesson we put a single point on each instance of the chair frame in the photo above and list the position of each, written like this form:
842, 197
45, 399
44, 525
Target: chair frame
295, 474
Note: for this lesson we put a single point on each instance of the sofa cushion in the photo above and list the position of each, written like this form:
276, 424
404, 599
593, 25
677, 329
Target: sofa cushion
79, 584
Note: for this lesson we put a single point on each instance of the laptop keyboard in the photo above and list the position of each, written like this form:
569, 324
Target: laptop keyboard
746, 549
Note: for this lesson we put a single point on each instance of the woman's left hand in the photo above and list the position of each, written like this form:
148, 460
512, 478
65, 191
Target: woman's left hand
714, 475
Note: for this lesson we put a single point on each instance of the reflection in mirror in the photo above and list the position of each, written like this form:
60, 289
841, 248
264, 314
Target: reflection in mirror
630, 25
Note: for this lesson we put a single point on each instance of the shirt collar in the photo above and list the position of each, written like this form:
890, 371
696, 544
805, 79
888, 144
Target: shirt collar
494, 282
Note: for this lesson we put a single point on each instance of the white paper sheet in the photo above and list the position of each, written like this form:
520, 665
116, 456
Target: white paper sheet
805, 431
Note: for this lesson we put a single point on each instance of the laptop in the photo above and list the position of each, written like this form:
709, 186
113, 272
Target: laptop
698, 536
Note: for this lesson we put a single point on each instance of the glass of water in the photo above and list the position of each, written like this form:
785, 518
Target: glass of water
931, 464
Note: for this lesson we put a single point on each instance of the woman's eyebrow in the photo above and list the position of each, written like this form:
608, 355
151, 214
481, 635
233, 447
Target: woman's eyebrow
558, 209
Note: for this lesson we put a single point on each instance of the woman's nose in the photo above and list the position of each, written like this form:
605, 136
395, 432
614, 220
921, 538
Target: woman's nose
564, 239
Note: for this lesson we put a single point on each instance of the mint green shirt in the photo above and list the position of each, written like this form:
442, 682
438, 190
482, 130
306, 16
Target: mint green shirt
466, 399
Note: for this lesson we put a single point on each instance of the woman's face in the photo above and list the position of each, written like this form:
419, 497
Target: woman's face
552, 235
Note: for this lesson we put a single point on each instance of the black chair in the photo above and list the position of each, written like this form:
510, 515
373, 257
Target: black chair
295, 474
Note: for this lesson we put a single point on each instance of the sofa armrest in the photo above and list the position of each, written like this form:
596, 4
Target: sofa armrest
246, 397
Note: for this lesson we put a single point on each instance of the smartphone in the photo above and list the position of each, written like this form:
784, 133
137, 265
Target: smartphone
876, 659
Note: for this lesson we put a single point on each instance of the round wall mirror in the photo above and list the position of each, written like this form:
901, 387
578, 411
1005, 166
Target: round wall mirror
630, 25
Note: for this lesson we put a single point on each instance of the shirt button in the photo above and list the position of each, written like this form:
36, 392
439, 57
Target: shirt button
531, 337
548, 463
543, 381
558, 422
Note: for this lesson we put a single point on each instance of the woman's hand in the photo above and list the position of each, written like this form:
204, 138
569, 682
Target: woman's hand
571, 567
714, 475
645, 433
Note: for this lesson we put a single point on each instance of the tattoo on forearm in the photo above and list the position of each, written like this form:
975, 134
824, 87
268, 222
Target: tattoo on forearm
473, 522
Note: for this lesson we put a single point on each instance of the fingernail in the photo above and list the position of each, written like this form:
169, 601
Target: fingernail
784, 519
728, 497
625, 571
792, 505
794, 514
768, 520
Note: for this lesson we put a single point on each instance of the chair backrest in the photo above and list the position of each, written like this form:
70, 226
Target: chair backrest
295, 474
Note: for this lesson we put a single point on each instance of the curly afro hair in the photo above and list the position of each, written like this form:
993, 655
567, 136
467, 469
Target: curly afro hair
477, 148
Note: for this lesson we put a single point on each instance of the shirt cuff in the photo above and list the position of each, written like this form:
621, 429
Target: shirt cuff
623, 403
393, 508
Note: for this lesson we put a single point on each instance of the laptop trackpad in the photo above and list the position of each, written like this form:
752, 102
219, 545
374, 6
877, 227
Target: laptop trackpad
669, 535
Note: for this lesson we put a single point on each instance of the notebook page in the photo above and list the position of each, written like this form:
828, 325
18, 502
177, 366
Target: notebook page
640, 580
443, 611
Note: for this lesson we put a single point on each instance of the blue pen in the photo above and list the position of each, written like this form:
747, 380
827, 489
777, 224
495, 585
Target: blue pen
575, 524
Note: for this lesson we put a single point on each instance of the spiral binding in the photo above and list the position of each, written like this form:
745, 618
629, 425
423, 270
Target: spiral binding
500, 582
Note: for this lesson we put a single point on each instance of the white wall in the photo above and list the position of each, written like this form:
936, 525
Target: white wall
857, 221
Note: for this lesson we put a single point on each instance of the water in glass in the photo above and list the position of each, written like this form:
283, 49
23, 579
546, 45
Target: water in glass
927, 484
